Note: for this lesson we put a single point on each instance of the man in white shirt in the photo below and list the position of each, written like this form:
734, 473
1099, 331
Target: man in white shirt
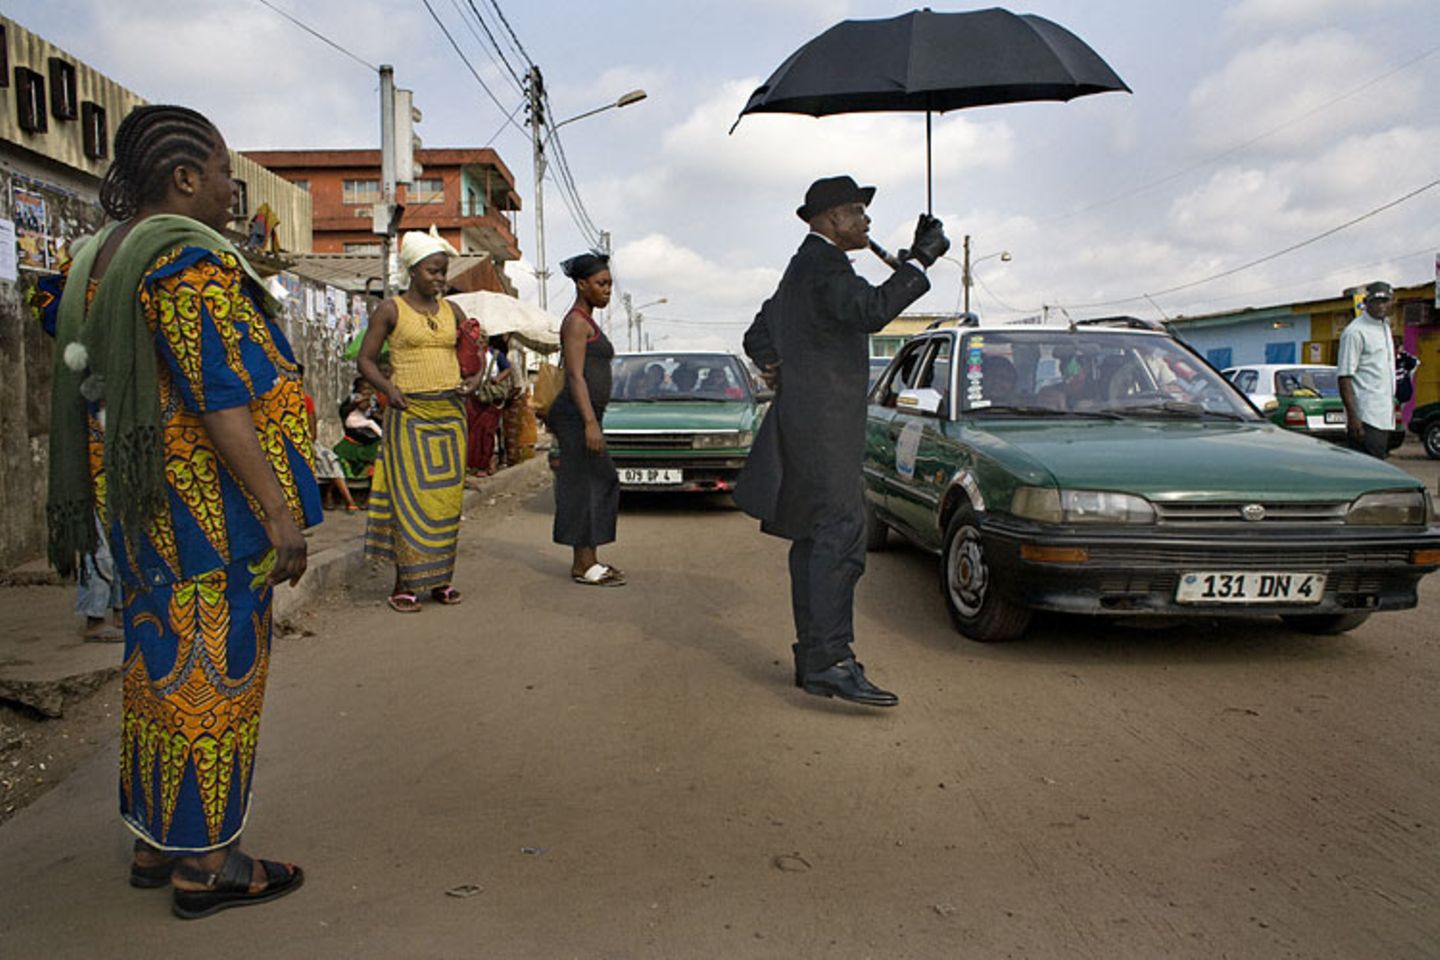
1366, 370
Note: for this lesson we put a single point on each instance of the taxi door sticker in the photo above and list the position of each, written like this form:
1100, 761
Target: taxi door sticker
975, 374
906, 448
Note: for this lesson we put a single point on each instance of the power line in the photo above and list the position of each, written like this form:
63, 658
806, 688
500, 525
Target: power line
1348, 269
514, 40
500, 65
320, 36
1265, 259
1237, 148
466, 60
495, 45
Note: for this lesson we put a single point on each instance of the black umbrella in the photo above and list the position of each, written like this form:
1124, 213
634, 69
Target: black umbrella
933, 61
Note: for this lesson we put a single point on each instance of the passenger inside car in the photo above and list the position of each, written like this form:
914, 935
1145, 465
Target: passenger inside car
683, 378
1000, 380
646, 385
716, 383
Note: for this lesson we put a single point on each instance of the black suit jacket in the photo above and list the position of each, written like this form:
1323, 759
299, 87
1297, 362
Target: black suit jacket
816, 325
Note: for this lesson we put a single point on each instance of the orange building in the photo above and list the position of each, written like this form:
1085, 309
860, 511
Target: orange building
467, 194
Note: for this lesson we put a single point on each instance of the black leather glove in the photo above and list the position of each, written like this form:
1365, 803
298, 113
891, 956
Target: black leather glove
930, 242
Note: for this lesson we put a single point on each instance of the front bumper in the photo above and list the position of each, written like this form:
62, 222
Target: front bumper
1129, 573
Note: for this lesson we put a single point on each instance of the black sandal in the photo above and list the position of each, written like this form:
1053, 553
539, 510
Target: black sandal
154, 876
230, 887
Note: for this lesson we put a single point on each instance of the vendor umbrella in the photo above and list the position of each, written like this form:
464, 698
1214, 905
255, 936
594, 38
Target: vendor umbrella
502, 314
933, 62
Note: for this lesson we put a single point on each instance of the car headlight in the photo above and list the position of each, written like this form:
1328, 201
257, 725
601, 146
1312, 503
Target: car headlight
1051, 505
729, 438
1393, 508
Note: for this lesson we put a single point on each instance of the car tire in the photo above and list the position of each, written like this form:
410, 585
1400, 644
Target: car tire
976, 608
877, 534
1324, 624
1431, 438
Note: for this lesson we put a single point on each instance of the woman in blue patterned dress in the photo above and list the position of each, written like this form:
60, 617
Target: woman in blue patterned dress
205, 470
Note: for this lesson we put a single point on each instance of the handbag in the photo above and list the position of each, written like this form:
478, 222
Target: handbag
549, 381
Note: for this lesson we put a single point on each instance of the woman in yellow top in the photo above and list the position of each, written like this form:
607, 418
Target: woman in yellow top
419, 482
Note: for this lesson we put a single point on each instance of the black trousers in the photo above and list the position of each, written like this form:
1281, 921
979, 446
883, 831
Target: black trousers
824, 569
1376, 442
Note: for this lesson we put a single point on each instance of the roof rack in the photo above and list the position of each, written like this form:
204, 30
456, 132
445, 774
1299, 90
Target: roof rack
1133, 323
959, 320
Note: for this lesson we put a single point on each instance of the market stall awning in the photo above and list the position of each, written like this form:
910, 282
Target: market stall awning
363, 272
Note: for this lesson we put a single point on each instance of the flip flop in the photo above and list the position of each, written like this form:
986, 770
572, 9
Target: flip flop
447, 595
599, 575
404, 602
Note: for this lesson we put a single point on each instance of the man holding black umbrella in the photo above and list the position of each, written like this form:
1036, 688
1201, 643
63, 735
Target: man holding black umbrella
803, 478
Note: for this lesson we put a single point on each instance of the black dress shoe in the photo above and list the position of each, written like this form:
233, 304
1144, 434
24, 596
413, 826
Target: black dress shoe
846, 680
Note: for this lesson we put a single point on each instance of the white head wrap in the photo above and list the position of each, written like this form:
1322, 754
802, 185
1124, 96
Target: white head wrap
416, 246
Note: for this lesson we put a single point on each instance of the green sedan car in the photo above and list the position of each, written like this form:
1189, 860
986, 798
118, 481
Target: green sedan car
1105, 468
1425, 424
681, 421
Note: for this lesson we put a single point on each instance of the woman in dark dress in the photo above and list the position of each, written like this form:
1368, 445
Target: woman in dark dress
587, 488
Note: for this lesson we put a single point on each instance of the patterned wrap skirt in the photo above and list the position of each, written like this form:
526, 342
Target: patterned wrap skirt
418, 490
197, 653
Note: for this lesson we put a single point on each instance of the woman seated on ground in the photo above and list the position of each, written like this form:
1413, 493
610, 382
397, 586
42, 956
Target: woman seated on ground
360, 446
328, 471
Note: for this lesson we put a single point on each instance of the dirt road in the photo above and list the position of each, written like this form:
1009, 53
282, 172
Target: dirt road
629, 774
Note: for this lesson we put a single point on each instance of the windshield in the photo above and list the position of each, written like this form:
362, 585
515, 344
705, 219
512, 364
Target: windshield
1083, 371
1307, 382
653, 377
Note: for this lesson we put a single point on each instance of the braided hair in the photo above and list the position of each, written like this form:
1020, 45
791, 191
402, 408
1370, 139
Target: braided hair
149, 144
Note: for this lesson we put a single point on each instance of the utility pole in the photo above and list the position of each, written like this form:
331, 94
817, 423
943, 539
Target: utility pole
384, 214
535, 90
605, 249
965, 273
629, 306
397, 165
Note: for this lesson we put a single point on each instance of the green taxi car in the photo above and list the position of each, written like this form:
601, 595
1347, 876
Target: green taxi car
681, 421
1425, 424
1105, 468
1300, 397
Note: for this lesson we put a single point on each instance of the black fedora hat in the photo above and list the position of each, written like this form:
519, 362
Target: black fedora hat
832, 192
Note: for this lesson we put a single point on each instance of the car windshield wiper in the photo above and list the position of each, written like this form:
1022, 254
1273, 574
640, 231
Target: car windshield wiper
1181, 409
1033, 410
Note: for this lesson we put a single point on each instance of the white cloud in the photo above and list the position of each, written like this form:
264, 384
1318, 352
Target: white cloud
1273, 13
656, 265
1291, 83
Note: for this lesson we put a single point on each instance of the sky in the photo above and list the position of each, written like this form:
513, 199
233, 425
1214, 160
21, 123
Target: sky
1255, 126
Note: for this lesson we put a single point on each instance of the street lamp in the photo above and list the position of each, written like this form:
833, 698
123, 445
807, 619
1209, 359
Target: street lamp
634, 329
536, 90
967, 277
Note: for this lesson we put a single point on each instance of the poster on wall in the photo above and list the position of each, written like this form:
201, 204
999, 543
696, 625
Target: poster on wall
9, 265
32, 228
334, 306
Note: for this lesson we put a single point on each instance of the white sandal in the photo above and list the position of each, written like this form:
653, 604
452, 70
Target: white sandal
599, 575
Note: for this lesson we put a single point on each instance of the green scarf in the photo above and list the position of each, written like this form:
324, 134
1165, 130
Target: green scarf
121, 367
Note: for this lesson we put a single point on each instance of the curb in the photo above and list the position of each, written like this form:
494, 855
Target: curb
337, 566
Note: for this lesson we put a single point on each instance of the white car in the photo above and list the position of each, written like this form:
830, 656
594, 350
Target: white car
1264, 382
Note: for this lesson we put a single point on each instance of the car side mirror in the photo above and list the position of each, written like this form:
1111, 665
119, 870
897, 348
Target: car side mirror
764, 394
923, 400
